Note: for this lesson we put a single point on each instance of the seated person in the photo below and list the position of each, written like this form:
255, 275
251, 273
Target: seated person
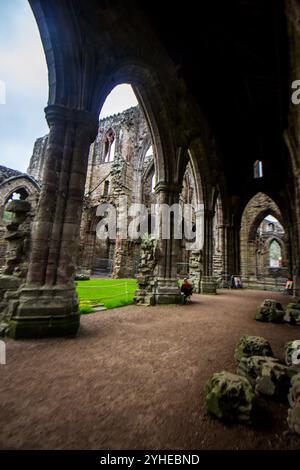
186, 289
237, 282
289, 286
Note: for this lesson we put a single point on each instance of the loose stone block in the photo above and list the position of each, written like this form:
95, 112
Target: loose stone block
252, 346
274, 380
294, 401
294, 392
292, 353
230, 397
292, 314
18, 205
270, 311
251, 367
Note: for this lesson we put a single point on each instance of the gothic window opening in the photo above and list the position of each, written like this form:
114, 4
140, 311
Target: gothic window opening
153, 183
20, 194
106, 188
258, 169
109, 146
149, 153
275, 255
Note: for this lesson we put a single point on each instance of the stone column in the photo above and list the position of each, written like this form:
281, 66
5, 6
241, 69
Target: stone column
208, 284
231, 249
48, 304
196, 256
165, 276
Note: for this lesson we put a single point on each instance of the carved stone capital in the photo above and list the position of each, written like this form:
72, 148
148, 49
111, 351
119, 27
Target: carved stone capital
57, 114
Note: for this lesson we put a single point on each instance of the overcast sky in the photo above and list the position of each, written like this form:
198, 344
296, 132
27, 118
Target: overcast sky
23, 70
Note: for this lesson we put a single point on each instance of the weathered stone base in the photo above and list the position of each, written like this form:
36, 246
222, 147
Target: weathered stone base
208, 285
44, 327
45, 312
167, 291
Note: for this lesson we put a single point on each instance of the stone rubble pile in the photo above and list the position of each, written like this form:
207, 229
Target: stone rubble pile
232, 397
271, 311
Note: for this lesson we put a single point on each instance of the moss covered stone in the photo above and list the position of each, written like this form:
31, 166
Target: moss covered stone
274, 380
251, 367
292, 353
294, 401
270, 311
292, 314
230, 397
252, 346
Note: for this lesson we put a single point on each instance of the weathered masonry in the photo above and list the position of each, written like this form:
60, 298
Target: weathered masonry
237, 143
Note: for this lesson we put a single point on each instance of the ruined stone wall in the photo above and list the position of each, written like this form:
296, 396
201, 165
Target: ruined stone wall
108, 180
130, 132
6, 173
37, 160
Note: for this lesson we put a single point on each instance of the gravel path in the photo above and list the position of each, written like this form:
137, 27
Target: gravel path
134, 379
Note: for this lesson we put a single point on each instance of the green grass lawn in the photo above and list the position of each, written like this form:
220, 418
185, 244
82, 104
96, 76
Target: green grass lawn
110, 292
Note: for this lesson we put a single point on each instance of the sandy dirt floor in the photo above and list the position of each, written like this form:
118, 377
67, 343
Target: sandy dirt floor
134, 379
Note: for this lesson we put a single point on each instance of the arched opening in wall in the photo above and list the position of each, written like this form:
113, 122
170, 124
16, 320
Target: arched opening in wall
149, 177
18, 194
258, 169
188, 202
275, 255
263, 242
6, 217
121, 166
109, 146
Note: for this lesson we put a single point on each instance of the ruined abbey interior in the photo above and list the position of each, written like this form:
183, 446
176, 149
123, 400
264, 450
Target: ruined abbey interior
215, 127
209, 157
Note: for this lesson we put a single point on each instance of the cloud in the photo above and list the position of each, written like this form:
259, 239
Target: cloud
23, 69
121, 97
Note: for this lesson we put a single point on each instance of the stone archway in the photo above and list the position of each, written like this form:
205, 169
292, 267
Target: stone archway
27, 188
256, 238
15, 184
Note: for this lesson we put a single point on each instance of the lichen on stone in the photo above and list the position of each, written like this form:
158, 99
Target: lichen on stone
252, 346
292, 314
270, 311
292, 353
230, 397
293, 418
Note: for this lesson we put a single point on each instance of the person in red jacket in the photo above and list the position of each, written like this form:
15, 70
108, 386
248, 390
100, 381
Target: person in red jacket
187, 290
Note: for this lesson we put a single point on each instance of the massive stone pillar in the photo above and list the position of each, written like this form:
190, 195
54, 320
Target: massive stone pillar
231, 249
158, 284
167, 290
48, 304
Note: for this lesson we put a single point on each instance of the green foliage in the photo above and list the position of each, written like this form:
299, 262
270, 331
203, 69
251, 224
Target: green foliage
7, 216
85, 309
